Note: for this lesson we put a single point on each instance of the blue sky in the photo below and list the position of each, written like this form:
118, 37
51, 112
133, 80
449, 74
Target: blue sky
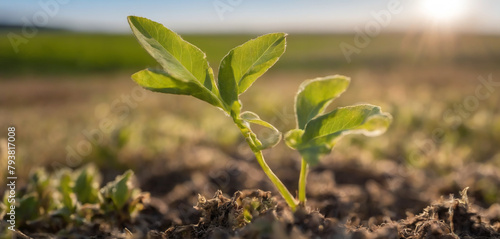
481, 16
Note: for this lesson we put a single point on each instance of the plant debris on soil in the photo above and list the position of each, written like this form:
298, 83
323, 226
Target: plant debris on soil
255, 214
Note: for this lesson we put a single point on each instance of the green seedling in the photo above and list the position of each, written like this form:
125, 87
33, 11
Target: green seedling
317, 133
69, 198
121, 195
185, 71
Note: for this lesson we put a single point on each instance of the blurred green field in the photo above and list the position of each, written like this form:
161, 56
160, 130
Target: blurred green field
79, 53
61, 85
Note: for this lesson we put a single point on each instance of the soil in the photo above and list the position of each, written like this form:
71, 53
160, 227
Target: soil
347, 199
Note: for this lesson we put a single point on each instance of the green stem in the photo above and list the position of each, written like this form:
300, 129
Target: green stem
302, 182
276, 181
247, 133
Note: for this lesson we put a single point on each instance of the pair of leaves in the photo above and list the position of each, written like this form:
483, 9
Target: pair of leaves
186, 70
316, 134
121, 192
82, 190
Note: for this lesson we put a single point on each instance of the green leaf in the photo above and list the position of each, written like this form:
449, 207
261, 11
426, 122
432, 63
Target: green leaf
66, 189
86, 186
245, 63
28, 208
161, 81
179, 58
39, 182
119, 190
315, 95
321, 133
266, 141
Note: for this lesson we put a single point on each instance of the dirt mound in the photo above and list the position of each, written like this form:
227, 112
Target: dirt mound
452, 218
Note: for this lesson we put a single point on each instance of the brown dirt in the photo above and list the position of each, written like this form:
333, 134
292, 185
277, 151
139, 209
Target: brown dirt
347, 198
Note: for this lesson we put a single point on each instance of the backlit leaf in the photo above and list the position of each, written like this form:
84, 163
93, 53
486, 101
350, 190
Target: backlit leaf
86, 186
179, 58
160, 81
245, 63
315, 95
321, 133
66, 189
119, 190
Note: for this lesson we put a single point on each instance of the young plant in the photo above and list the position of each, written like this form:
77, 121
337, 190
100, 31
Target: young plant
317, 133
187, 72
66, 199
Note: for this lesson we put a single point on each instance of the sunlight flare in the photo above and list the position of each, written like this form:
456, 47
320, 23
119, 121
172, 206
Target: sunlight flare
444, 10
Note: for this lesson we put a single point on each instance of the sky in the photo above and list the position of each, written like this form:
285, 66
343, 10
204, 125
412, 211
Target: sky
258, 16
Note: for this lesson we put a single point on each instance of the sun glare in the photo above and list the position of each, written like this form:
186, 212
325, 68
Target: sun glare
444, 10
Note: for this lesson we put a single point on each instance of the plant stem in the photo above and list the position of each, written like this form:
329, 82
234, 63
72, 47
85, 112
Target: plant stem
247, 133
302, 182
276, 181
